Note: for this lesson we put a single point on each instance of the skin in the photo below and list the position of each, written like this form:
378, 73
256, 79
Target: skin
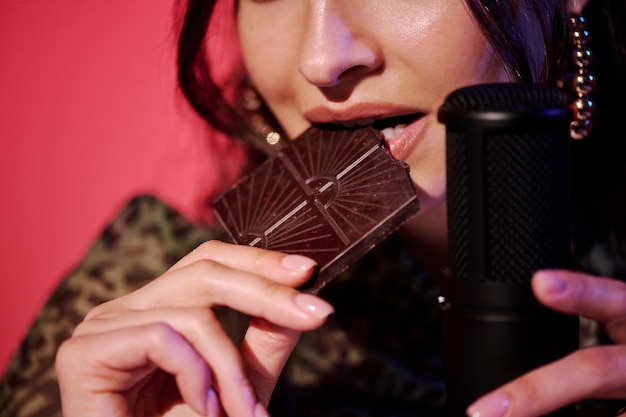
319, 61
341, 66
337, 66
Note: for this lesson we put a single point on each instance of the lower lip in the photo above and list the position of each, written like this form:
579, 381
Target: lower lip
401, 146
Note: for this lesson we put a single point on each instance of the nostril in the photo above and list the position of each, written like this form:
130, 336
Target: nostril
338, 93
346, 83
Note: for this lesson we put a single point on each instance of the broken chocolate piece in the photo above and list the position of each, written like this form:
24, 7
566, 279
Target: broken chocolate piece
331, 195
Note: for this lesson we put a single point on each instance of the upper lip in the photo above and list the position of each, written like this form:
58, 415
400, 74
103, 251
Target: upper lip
379, 115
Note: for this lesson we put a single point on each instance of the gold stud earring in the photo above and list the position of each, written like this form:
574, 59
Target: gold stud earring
254, 106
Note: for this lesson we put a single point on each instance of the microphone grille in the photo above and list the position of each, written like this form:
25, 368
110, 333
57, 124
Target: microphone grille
508, 186
506, 97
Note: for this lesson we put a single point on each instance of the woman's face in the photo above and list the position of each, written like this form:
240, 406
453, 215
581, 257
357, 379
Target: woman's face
350, 62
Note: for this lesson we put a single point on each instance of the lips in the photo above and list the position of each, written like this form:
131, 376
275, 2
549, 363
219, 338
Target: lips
389, 126
398, 125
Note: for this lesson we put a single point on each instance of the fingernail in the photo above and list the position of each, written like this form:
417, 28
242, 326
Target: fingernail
212, 405
494, 405
551, 283
298, 263
260, 411
313, 305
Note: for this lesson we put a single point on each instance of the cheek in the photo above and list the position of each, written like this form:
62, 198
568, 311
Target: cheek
269, 55
475, 62
265, 60
272, 70
450, 52
428, 167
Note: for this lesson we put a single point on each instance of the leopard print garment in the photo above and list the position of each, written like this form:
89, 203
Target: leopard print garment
377, 355
140, 244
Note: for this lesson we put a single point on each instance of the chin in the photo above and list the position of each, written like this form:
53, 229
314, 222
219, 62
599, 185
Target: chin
429, 226
431, 192
429, 202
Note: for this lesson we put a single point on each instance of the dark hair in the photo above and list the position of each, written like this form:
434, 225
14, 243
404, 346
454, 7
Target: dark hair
194, 72
509, 30
499, 21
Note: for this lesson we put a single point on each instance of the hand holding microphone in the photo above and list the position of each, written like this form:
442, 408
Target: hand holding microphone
507, 152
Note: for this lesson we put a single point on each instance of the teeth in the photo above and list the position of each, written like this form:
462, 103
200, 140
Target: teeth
390, 132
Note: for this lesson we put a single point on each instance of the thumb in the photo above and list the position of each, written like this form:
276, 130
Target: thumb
265, 351
267, 346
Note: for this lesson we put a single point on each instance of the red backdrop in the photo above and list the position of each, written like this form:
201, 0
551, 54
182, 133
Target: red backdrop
89, 116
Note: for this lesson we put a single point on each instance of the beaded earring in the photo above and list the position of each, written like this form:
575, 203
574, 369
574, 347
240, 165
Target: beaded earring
258, 116
579, 79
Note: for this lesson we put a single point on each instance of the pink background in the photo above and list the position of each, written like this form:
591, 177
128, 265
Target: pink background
89, 116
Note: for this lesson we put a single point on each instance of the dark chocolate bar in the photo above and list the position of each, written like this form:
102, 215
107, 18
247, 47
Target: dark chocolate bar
331, 195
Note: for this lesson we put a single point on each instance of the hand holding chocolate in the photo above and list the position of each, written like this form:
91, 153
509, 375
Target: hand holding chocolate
331, 195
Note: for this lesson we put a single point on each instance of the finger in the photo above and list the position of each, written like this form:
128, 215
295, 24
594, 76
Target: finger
96, 370
208, 284
601, 299
286, 268
202, 330
588, 373
267, 346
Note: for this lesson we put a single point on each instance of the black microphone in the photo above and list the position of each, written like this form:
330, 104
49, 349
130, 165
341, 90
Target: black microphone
508, 185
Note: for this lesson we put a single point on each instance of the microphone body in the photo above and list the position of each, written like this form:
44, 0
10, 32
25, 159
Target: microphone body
507, 156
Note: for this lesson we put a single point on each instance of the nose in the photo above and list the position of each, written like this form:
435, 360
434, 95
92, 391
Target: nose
335, 48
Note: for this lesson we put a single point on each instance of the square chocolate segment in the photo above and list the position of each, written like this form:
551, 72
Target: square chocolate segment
331, 195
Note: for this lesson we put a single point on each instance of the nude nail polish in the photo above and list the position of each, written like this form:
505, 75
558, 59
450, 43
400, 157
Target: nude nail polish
297, 263
551, 283
212, 404
260, 411
313, 305
494, 405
